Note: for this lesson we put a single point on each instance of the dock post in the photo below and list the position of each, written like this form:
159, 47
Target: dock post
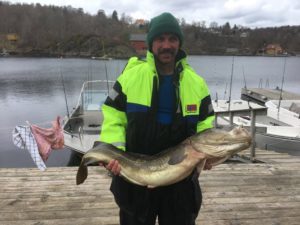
252, 148
216, 120
231, 118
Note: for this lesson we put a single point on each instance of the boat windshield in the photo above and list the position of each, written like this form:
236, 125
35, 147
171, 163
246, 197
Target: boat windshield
92, 100
93, 94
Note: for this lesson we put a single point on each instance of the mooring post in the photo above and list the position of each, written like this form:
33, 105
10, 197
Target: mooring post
231, 114
252, 148
216, 120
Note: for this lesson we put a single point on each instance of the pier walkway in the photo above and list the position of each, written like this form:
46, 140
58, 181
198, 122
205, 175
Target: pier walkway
262, 95
233, 194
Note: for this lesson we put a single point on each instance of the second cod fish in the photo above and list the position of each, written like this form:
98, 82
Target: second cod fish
173, 164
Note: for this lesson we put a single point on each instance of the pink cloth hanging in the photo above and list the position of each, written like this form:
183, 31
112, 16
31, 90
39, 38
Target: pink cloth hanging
48, 138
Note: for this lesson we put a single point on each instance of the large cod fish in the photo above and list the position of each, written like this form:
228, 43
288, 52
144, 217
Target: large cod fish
174, 164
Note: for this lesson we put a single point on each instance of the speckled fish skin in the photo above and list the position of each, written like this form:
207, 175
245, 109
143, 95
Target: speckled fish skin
175, 163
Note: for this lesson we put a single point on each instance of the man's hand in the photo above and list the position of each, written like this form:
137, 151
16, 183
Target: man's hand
113, 166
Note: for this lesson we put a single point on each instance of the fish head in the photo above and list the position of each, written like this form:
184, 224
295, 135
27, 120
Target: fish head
221, 143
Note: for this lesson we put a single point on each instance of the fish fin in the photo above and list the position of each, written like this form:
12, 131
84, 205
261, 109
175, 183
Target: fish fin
218, 160
200, 166
151, 186
177, 158
82, 173
97, 143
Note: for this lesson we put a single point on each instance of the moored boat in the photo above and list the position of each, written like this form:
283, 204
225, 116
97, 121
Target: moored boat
82, 127
277, 129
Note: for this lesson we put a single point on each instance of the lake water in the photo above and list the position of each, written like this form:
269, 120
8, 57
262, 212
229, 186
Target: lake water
31, 89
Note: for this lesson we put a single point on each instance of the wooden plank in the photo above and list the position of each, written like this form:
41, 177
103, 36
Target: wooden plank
252, 221
262, 95
95, 220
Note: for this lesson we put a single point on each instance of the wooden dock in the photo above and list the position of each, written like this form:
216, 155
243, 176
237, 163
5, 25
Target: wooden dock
233, 194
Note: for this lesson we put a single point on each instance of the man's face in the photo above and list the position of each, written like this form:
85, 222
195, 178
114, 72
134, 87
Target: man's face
165, 47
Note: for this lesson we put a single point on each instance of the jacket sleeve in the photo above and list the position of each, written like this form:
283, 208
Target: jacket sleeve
114, 124
206, 111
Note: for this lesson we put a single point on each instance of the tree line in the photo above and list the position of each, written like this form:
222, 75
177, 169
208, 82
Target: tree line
53, 30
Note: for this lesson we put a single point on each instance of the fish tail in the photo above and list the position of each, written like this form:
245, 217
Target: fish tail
82, 173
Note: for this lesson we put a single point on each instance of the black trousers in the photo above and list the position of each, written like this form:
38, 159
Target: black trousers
177, 204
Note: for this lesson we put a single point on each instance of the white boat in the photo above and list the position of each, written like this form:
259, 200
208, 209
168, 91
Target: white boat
275, 129
4, 53
283, 127
286, 111
82, 127
279, 129
104, 57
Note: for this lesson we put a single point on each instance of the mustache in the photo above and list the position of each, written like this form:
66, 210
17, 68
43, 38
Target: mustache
167, 50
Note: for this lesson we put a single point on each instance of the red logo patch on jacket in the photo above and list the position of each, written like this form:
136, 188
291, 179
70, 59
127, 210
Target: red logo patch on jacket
191, 108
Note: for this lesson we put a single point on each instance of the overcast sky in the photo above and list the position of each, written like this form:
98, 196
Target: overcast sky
250, 13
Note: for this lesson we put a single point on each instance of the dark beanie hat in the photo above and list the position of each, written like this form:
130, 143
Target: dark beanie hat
164, 23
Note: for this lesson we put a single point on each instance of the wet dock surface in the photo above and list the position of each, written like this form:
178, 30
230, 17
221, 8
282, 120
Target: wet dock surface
233, 193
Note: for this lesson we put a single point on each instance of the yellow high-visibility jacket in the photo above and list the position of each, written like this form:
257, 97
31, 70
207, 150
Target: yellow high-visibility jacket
130, 110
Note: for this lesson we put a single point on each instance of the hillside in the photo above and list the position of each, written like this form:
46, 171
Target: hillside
37, 30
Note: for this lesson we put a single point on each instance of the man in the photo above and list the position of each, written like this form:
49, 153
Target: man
156, 104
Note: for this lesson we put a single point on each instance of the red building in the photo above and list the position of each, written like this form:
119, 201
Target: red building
138, 42
274, 49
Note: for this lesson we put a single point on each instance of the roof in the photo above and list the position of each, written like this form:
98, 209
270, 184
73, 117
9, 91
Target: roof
138, 37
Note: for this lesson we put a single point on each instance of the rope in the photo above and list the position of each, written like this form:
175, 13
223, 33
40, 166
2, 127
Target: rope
39, 124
